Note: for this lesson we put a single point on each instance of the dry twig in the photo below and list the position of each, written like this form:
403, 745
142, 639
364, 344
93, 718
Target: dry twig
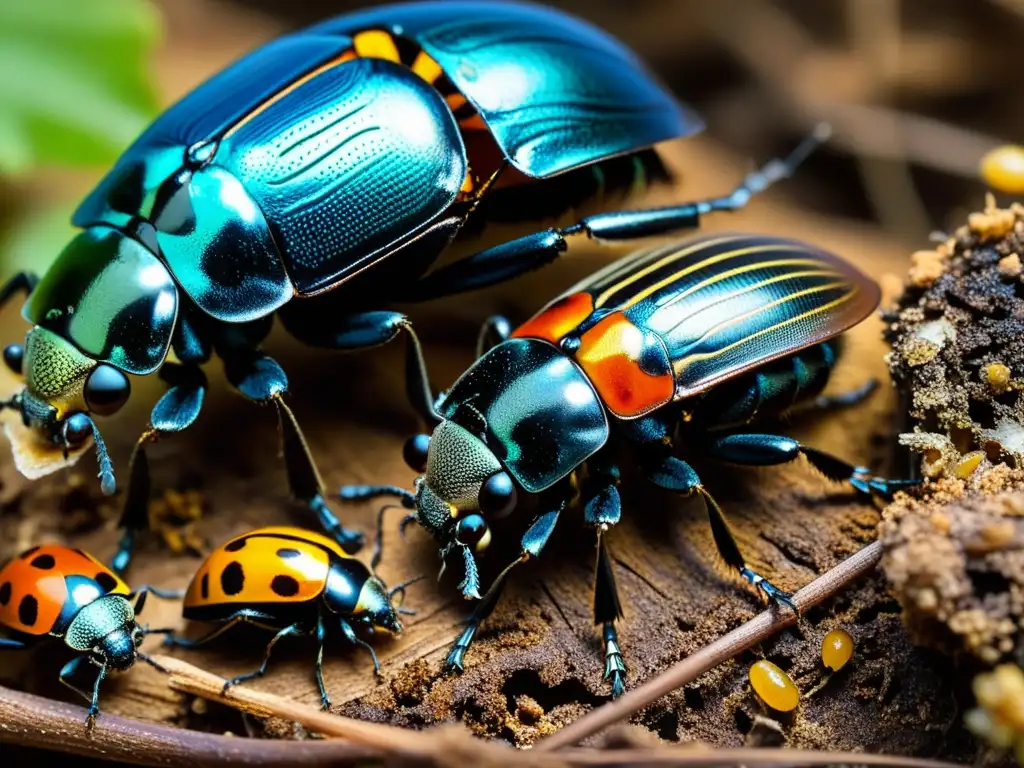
37, 722
759, 628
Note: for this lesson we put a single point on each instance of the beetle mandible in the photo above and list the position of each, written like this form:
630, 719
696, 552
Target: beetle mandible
679, 346
319, 177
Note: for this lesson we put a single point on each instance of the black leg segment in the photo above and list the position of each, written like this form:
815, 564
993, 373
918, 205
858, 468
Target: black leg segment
766, 450
175, 412
607, 609
21, 282
294, 629
533, 542
259, 378
495, 330
676, 475
517, 257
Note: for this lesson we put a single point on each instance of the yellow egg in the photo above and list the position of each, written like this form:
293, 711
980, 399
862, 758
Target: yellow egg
774, 686
836, 649
1003, 169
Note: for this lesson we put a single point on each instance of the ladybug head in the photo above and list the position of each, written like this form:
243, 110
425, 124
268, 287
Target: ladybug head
106, 630
374, 606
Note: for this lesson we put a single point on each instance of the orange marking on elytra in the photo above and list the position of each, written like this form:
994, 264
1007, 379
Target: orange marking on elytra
556, 320
610, 354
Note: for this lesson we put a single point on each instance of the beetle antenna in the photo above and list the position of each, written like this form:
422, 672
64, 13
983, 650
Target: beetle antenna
153, 663
401, 587
107, 483
405, 522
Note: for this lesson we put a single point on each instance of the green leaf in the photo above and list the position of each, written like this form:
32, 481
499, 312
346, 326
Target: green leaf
35, 238
75, 85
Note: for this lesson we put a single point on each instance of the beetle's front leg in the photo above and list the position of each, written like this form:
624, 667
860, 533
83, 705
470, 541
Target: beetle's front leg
260, 379
175, 412
533, 543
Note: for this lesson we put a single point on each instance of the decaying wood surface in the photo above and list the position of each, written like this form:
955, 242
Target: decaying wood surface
537, 663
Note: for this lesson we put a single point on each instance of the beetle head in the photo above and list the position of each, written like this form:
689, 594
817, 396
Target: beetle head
464, 486
105, 308
62, 387
374, 607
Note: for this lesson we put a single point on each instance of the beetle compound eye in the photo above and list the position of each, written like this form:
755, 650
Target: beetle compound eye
415, 452
473, 532
14, 356
498, 495
106, 390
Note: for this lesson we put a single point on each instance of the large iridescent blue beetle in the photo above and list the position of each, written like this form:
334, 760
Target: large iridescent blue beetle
319, 177
680, 346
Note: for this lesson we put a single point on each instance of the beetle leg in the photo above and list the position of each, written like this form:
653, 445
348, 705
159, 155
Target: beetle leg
494, 330
516, 257
352, 637
292, 629
845, 399
533, 542
94, 697
676, 475
607, 609
259, 378
321, 635
175, 412
9, 644
766, 450
602, 511
243, 616
21, 282
372, 329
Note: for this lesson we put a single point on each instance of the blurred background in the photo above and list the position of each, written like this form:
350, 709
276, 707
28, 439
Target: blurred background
917, 91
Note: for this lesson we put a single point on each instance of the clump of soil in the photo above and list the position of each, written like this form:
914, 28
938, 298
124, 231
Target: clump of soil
955, 553
955, 559
957, 335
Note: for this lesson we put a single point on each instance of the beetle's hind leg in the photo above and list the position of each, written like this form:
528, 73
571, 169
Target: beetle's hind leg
765, 450
525, 254
676, 475
175, 412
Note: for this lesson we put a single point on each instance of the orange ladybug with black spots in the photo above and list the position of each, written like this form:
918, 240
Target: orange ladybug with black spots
291, 581
66, 593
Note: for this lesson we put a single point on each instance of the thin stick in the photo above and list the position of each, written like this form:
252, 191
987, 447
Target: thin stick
759, 628
32, 721
187, 678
